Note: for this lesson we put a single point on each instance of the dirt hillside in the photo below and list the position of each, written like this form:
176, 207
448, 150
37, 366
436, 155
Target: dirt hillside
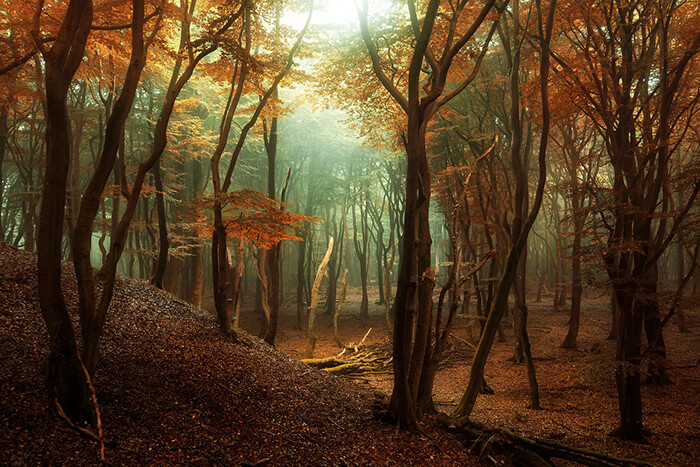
172, 391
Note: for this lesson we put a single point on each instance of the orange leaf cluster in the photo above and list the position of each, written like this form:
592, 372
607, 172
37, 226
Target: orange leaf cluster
250, 215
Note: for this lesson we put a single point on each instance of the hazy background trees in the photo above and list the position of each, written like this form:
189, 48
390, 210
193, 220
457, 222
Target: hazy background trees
174, 117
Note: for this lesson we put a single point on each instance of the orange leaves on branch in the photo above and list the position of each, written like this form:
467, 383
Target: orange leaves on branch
250, 215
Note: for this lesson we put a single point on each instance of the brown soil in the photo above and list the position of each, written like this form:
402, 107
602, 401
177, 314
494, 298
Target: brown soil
577, 387
173, 391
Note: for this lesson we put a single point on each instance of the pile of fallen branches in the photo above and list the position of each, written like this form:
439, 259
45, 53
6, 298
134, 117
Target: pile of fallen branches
355, 360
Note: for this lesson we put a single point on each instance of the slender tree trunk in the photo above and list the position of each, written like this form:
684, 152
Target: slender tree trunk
361, 251
576, 286
237, 281
381, 260
301, 308
521, 313
272, 256
196, 270
364, 303
163, 241
465, 406
272, 260
29, 219
343, 282
3, 145
93, 312
302, 305
309, 352
68, 383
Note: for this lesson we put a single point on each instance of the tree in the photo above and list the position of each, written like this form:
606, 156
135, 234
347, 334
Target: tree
419, 97
69, 379
627, 64
578, 150
94, 317
521, 228
68, 382
220, 266
272, 256
360, 237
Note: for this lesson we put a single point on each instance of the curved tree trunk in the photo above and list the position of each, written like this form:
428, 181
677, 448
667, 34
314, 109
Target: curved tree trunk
520, 316
311, 343
465, 406
67, 381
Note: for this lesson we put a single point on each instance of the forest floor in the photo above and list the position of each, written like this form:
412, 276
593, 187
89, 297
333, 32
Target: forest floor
577, 387
172, 390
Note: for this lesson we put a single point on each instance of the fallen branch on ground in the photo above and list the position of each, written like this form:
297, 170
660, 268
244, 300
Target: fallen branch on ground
352, 360
526, 450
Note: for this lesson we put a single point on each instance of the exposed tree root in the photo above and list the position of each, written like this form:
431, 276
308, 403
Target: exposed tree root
503, 445
86, 432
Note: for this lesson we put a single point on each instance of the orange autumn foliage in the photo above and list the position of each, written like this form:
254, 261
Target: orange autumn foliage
250, 215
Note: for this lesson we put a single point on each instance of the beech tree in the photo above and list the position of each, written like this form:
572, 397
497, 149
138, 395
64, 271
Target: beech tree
578, 148
520, 228
68, 382
69, 378
628, 63
439, 39
225, 297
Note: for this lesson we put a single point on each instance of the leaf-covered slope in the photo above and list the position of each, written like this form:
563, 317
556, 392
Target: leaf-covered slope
172, 390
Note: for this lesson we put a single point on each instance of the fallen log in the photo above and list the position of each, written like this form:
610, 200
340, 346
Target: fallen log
323, 363
532, 451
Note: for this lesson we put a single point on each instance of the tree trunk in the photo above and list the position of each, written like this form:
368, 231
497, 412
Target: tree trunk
310, 345
93, 312
649, 308
520, 318
415, 282
163, 241
172, 275
272, 256
221, 268
301, 308
273, 266
576, 279
67, 382
362, 253
628, 372
195, 274
466, 404
3, 144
